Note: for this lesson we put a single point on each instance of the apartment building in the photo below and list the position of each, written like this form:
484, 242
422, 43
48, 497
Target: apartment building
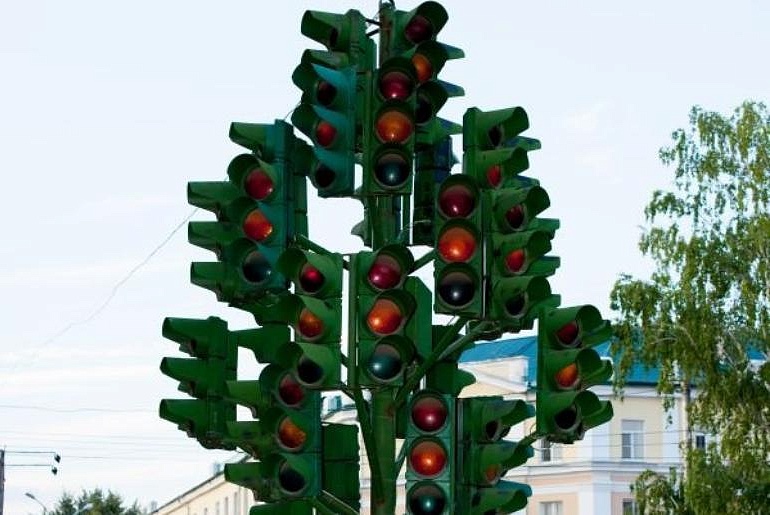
590, 477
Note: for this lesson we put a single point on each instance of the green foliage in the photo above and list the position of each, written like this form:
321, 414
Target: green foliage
95, 502
706, 305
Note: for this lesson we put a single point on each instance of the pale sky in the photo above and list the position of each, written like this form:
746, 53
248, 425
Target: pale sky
107, 109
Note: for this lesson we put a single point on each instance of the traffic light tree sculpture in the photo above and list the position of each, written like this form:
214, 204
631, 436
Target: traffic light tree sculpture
368, 112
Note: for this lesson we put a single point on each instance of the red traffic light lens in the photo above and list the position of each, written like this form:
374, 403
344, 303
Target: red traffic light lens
568, 377
495, 175
385, 272
429, 413
310, 278
428, 458
426, 499
385, 317
395, 85
385, 363
325, 133
423, 67
290, 436
568, 333
290, 480
515, 216
290, 391
515, 261
325, 92
418, 29
257, 226
393, 127
309, 326
256, 268
391, 170
258, 184
456, 289
456, 201
456, 244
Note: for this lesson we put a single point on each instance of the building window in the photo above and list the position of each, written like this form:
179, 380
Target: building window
550, 508
631, 439
629, 507
700, 441
549, 451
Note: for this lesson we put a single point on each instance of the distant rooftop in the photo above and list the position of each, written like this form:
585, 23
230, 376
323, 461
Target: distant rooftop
527, 347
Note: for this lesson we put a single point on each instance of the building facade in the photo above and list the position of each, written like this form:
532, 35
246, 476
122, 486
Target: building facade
590, 477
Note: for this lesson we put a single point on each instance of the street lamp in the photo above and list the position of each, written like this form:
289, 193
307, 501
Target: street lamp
28, 494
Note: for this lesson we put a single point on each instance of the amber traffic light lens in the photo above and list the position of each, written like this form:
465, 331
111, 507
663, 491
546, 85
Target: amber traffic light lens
568, 376
456, 289
258, 184
423, 67
515, 305
494, 175
418, 29
492, 473
385, 272
385, 363
515, 216
568, 333
257, 226
290, 480
393, 127
385, 317
425, 109
309, 326
290, 436
456, 201
456, 244
325, 133
396, 85
310, 278
325, 92
429, 413
428, 458
290, 391
256, 268
426, 499
515, 260
391, 170
324, 176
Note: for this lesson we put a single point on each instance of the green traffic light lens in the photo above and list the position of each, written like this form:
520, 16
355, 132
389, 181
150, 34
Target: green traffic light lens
515, 305
290, 480
429, 413
566, 419
256, 268
426, 499
385, 363
456, 289
309, 372
391, 170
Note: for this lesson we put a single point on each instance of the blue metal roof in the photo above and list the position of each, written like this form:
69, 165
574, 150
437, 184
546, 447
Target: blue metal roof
527, 347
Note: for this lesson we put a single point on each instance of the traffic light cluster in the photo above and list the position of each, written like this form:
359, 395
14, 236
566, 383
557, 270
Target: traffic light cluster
491, 268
